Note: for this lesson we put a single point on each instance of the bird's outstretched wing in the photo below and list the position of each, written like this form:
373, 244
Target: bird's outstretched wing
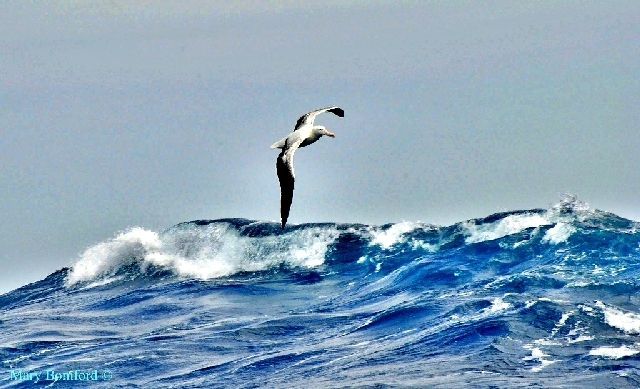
308, 118
286, 176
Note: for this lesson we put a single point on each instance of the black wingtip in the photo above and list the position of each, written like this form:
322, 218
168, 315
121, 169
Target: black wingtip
337, 111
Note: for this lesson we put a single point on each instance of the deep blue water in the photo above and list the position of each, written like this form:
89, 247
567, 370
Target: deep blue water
533, 298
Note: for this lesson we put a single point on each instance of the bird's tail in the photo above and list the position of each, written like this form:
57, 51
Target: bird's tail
279, 144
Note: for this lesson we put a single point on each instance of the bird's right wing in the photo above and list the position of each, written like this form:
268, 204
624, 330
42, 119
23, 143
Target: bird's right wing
309, 118
286, 176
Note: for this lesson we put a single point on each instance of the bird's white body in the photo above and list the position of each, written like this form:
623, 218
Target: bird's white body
306, 134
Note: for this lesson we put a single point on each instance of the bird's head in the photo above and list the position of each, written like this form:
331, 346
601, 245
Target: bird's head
324, 131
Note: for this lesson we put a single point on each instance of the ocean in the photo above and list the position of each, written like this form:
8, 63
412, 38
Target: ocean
528, 298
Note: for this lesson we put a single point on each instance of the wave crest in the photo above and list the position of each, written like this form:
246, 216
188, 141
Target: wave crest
202, 252
212, 249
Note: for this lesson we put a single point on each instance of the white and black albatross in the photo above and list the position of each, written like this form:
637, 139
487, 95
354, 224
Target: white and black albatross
304, 134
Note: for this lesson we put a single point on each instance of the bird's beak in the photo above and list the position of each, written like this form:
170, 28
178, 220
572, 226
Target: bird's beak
331, 134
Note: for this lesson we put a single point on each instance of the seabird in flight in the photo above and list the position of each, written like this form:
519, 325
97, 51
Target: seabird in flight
304, 134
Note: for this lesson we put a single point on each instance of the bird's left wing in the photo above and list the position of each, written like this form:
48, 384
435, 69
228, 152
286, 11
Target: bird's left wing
286, 176
309, 118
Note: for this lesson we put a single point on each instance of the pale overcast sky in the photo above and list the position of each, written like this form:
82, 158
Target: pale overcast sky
122, 113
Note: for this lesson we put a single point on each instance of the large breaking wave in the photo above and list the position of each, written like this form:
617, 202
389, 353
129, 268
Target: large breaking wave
544, 296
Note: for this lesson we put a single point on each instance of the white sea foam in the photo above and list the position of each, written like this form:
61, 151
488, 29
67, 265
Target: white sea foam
509, 225
626, 321
547, 342
392, 235
540, 356
203, 252
580, 338
105, 256
102, 282
559, 233
531, 303
497, 305
614, 352
563, 320
418, 244
569, 203
521, 243
560, 217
